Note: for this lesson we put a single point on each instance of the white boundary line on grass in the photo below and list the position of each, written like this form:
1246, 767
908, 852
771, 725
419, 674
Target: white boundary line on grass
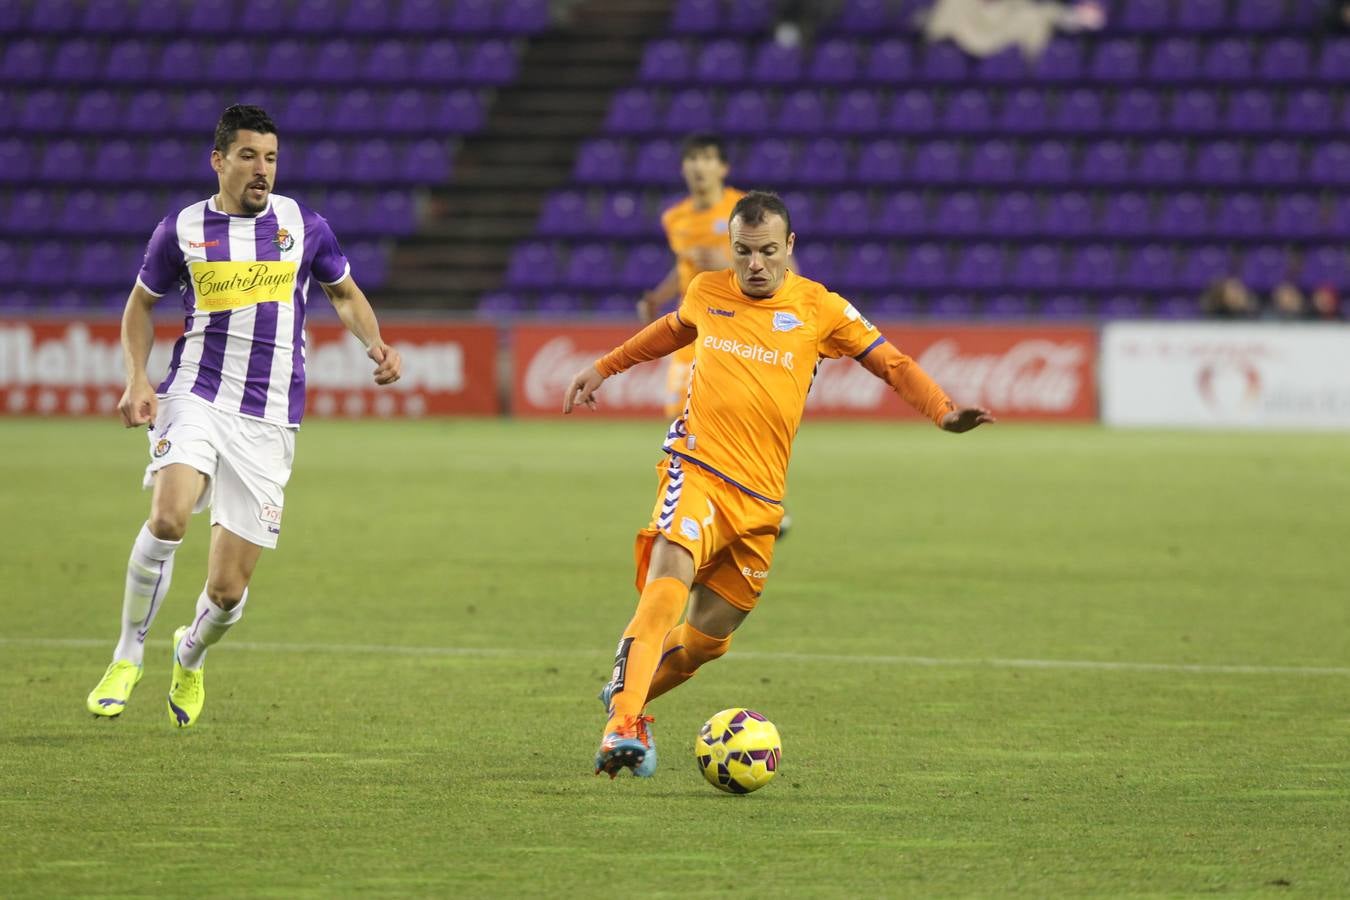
918, 661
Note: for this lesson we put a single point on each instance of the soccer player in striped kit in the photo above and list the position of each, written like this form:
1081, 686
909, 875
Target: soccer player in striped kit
222, 424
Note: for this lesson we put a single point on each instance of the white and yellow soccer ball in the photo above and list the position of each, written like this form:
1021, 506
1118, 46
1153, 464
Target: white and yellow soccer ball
738, 750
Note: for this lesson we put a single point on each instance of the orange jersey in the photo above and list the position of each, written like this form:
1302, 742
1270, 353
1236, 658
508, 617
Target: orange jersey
754, 361
687, 228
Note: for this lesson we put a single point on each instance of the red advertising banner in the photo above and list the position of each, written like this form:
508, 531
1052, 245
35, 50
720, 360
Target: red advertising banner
1027, 373
72, 367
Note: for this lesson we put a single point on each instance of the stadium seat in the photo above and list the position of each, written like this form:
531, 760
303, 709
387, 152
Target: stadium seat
968, 111
388, 62
902, 214
1218, 163
991, 162
658, 162
958, 215
1062, 61
1174, 60
879, 163
944, 62
801, 112
1286, 60
1229, 60
1136, 111
979, 267
438, 63
697, 17
1079, 112
1068, 215
599, 161
1201, 15
633, 111
1014, 214
746, 112
665, 61
1276, 162
721, 62
1195, 111
375, 17
775, 63
1118, 61
691, 110
846, 214
890, 62
836, 61
936, 162
1024, 110
471, 16
156, 17
912, 112
1126, 215
857, 111
1308, 112
1264, 267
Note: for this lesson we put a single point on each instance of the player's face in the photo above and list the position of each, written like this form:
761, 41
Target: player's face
247, 171
759, 254
703, 170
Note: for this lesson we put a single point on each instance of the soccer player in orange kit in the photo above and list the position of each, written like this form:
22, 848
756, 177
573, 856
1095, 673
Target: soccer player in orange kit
758, 331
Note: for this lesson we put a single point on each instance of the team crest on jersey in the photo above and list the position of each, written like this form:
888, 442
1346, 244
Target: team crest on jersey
162, 447
785, 321
284, 240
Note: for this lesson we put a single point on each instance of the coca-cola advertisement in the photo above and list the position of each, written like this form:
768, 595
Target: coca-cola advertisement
1031, 373
73, 367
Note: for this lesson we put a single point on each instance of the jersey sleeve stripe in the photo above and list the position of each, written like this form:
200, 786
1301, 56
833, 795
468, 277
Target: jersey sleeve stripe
870, 347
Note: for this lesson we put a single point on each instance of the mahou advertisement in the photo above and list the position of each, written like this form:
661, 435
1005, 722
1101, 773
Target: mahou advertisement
65, 367
1019, 373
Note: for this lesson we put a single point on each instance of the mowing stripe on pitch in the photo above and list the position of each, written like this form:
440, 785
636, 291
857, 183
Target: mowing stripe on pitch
862, 658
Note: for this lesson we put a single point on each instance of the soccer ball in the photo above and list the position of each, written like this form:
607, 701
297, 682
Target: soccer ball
738, 751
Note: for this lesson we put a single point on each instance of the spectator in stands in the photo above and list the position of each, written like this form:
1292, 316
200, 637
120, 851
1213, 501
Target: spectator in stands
987, 27
1228, 298
1326, 306
1287, 304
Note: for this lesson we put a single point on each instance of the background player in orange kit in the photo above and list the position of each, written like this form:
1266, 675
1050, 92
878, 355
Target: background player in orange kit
758, 331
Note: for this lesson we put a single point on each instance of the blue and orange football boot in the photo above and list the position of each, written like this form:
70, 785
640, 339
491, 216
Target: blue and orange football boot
630, 746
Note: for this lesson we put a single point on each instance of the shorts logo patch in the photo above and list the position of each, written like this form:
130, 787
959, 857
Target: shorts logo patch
785, 321
271, 517
284, 240
689, 528
162, 447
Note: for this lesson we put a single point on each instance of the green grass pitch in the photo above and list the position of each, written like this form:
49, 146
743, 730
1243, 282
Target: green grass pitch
408, 709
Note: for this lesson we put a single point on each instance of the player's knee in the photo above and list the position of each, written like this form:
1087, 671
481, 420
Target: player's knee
167, 525
225, 594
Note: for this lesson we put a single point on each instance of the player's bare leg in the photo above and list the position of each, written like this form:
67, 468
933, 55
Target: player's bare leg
221, 604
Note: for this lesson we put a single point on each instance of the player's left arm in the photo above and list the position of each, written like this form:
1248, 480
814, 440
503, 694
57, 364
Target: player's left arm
356, 313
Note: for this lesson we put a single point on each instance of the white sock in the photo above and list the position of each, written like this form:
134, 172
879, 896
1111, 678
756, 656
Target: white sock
148, 574
210, 626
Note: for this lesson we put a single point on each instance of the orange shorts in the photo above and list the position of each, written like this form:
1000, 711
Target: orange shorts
677, 379
729, 533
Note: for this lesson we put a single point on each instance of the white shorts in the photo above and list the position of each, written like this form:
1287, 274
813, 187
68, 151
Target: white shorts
247, 464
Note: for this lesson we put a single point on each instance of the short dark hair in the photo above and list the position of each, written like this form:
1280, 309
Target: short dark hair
242, 116
702, 140
756, 205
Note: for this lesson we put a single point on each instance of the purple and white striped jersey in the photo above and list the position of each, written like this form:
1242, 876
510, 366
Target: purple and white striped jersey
244, 280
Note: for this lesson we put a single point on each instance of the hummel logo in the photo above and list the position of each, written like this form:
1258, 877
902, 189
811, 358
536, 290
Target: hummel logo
714, 311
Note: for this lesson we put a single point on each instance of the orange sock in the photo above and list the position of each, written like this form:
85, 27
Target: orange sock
686, 648
658, 610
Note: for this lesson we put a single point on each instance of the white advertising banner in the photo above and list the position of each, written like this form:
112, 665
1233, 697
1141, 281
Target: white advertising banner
1226, 375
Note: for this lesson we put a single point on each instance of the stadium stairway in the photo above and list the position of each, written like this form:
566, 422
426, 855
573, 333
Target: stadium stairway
536, 123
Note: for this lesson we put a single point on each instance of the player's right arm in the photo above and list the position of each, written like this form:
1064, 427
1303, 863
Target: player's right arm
666, 335
139, 403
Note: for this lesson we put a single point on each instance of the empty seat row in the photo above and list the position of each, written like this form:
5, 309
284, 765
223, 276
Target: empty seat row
1070, 60
363, 162
290, 62
274, 17
307, 111
825, 161
858, 111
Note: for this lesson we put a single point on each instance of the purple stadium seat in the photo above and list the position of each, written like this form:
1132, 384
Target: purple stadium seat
1066, 307
775, 63
937, 162
979, 267
336, 62
48, 264
1286, 59
565, 214
802, 207
1149, 268
61, 161
1126, 215
103, 264
97, 111
925, 266
532, 265
1174, 59
893, 307
1013, 214
403, 113
439, 63
823, 161
43, 110
721, 62
1105, 162
858, 111
1334, 65
968, 111
1182, 215
801, 112
1068, 215
347, 208
282, 60
198, 112
1062, 61
697, 17
371, 17
1008, 306
818, 260
846, 214
912, 112
746, 16
1219, 163
658, 162
1330, 164
156, 17
132, 61
1277, 162
54, 17
590, 266
1136, 111
1010, 66
498, 305
1195, 111
559, 305
1338, 225
83, 212
181, 62
1258, 15
523, 16
75, 61
879, 163
1307, 112
1264, 267
944, 62
902, 214
1203, 266
231, 63
1048, 162
1326, 265
393, 212
1119, 61
836, 61
306, 112
25, 60
1036, 268
614, 306
690, 110
1123, 306
1183, 306
362, 111
264, 16
665, 61
992, 162
865, 17
370, 262
492, 62
457, 112
1229, 60
420, 17
1297, 216
177, 161
868, 266
471, 17
632, 111
389, 62
1161, 162
316, 17
1146, 15
1240, 215
1250, 111
28, 206
1024, 110
890, 62
957, 215
210, 17
324, 162
622, 215
746, 112
1080, 111
1201, 15
426, 162
951, 306
1091, 268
